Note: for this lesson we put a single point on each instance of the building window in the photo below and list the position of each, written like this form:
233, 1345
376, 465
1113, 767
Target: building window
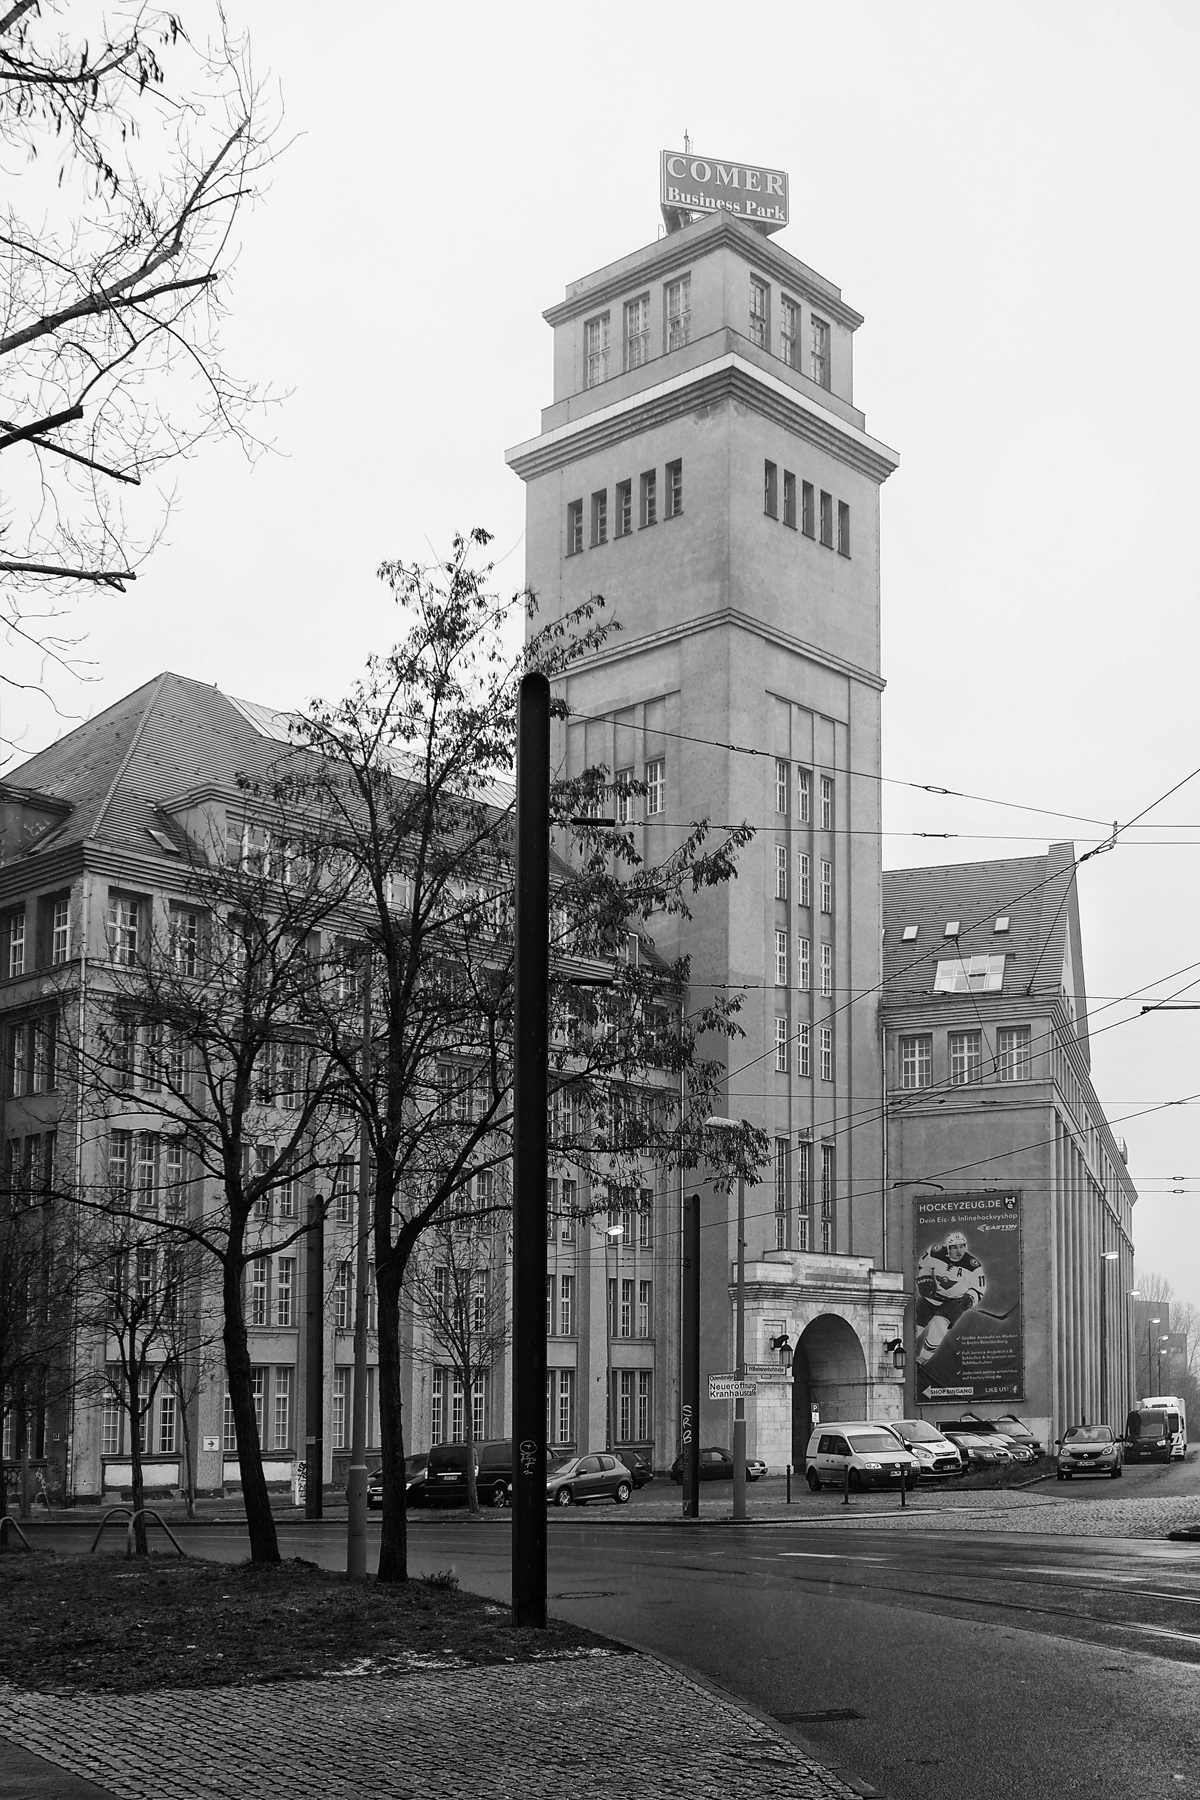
827, 970
781, 1193
645, 1218
804, 959
804, 1051
437, 1409
649, 497
808, 509
781, 794
624, 524
827, 519
789, 499
574, 527
826, 1053
969, 975
566, 1306
826, 886
566, 1407
759, 320
643, 1416
343, 1180
770, 490
804, 873
625, 1406
259, 1285
781, 1046
341, 1297
818, 356
184, 940
781, 872
679, 312
966, 1057
600, 517
826, 803
626, 1309
60, 931
655, 786
16, 943
804, 1194
674, 489
622, 795
804, 795
285, 1287
124, 921
645, 1315
341, 1383
281, 1422
828, 1196
228, 1428
843, 542
789, 332
781, 958
595, 351
637, 331
916, 1061
258, 1391
1013, 1060
112, 1413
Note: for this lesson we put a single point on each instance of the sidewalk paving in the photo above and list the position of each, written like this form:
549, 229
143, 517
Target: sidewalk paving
583, 1726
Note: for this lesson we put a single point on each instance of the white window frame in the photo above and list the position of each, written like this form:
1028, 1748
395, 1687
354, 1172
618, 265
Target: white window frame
636, 319
656, 782
804, 796
781, 959
826, 1053
916, 1059
804, 1051
965, 1054
826, 803
969, 975
782, 783
781, 872
827, 970
1014, 1053
677, 306
781, 1046
804, 897
826, 886
595, 350
804, 959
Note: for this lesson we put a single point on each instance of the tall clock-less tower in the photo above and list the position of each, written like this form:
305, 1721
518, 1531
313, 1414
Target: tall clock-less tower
704, 467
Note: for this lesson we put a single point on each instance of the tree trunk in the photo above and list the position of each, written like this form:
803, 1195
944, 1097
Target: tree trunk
189, 1470
137, 1482
264, 1543
393, 1536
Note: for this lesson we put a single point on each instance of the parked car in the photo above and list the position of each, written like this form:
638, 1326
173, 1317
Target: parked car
414, 1481
978, 1450
1090, 1450
638, 1467
937, 1458
1011, 1430
717, 1465
577, 1479
861, 1452
446, 1473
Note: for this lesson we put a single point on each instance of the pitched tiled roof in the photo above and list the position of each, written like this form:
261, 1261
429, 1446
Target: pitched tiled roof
1033, 892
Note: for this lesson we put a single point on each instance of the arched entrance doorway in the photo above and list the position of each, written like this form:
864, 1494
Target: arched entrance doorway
829, 1372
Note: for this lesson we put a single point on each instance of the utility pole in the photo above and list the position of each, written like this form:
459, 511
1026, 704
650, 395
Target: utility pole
356, 1483
530, 1035
739, 1405
689, 1359
314, 1359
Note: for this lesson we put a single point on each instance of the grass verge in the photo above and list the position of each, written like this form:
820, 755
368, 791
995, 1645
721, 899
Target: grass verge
98, 1623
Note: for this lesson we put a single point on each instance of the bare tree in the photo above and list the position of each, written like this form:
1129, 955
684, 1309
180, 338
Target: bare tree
38, 1290
412, 769
142, 147
460, 1315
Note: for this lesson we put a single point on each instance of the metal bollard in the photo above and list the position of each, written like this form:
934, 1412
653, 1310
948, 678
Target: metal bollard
903, 1488
789, 1484
846, 1485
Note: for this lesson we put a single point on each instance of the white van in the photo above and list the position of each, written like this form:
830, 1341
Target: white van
1157, 1429
869, 1450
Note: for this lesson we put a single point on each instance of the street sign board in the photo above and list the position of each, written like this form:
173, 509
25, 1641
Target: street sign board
704, 184
729, 1387
769, 1371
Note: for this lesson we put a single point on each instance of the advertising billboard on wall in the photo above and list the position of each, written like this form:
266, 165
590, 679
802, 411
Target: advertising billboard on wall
967, 1276
710, 184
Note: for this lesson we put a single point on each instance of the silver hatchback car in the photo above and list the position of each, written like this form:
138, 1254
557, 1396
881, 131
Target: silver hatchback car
596, 1477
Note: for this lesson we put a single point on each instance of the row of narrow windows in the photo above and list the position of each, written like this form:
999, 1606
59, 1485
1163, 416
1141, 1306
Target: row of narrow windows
621, 517
811, 514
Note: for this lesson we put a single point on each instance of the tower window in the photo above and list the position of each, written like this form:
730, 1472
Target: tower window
827, 519
781, 958
818, 360
843, 528
759, 323
679, 312
804, 1053
674, 489
781, 871
826, 886
804, 795
624, 520
789, 333
574, 527
637, 331
649, 497
804, 957
808, 518
781, 786
826, 803
656, 781
789, 499
781, 1046
916, 1061
966, 1057
826, 1053
827, 970
600, 517
805, 879
595, 351
770, 490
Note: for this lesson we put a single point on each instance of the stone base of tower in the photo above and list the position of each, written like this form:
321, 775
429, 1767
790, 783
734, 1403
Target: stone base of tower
837, 1313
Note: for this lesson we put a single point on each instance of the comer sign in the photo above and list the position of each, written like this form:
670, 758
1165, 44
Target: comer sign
705, 184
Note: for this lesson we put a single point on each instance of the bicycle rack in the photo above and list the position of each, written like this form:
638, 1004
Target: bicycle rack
7, 1523
144, 1512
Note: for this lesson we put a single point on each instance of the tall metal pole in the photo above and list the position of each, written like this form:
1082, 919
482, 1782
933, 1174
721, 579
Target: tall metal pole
314, 1360
689, 1359
1103, 1340
739, 1405
356, 1482
530, 1033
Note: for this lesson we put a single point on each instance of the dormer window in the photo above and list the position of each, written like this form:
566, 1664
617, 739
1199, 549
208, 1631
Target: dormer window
969, 975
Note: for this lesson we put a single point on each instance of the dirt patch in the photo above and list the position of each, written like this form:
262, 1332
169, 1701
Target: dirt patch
99, 1623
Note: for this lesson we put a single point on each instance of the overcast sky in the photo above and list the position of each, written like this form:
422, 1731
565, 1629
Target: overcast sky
1008, 193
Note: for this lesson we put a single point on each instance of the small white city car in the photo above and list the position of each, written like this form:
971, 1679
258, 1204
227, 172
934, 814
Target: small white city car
870, 1455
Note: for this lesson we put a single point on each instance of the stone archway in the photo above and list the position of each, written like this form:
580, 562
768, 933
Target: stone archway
829, 1372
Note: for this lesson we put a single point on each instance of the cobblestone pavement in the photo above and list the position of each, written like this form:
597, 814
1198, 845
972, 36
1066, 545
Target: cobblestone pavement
579, 1727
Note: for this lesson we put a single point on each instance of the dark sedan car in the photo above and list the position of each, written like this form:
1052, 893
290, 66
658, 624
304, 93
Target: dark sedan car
638, 1467
414, 1481
717, 1465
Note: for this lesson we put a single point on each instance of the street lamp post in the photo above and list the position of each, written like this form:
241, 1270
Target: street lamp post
1106, 1256
739, 1405
1150, 1350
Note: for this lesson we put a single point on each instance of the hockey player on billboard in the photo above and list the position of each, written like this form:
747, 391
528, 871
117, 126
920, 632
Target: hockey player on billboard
950, 1282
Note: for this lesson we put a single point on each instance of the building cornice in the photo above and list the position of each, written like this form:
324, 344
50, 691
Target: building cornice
714, 621
725, 377
681, 248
